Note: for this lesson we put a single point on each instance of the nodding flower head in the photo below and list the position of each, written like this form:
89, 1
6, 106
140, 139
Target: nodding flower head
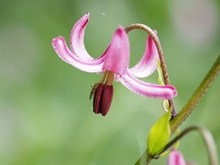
114, 63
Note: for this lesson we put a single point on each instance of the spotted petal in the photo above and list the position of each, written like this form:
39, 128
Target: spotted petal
61, 48
146, 89
148, 63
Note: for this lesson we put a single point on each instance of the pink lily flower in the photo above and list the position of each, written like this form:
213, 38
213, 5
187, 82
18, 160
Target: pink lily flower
114, 64
176, 158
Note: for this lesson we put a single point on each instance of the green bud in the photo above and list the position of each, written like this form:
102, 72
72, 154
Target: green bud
159, 135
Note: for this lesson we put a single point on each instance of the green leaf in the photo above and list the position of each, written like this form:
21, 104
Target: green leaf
159, 135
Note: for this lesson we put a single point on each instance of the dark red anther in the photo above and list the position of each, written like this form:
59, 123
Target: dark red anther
102, 93
106, 99
97, 97
102, 98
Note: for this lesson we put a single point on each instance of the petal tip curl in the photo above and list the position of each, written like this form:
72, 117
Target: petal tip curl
58, 45
55, 41
77, 38
173, 92
86, 16
120, 29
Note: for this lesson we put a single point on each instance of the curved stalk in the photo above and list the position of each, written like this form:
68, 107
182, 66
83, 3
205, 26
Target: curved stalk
196, 97
207, 138
160, 53
191, 104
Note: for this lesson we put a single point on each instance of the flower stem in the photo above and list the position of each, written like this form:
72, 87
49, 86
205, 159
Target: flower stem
160, 52
144, 159
157, 43
196, 97
207, 137
191, 104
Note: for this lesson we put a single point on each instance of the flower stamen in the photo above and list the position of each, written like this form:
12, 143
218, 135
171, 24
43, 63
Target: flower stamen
110, 78
102, 93
104, 77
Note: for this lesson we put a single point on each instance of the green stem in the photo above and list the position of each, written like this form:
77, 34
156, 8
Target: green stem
191, 104
196, 97
144, 159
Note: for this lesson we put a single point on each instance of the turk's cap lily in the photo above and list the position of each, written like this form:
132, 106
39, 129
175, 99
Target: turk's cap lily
114, 63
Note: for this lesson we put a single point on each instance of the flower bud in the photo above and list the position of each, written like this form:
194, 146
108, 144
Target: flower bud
159, 135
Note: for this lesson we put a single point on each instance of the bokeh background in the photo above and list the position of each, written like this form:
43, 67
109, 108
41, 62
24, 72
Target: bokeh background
46, 116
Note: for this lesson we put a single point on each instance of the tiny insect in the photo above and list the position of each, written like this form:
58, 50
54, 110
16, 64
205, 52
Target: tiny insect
94, 87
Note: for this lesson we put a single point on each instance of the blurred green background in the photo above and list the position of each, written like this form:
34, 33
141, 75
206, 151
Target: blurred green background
46, 116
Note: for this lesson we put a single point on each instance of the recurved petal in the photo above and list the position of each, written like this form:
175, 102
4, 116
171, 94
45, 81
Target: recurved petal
146, 89
61, 48
175, 158
77, 38
117, 55
148, 63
